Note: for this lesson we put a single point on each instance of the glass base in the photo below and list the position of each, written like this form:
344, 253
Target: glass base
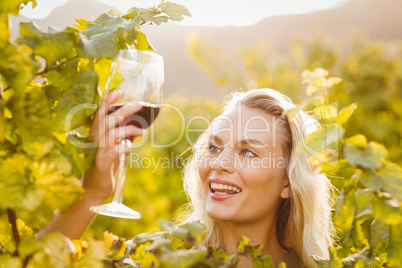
117, 210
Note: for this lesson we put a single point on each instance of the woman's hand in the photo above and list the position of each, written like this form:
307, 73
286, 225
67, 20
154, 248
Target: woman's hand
107, 131
98, 181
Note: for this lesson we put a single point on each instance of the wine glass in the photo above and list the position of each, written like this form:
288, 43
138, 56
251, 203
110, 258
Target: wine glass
139, 75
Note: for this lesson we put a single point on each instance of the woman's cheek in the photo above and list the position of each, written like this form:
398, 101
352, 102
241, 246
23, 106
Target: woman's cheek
203, 168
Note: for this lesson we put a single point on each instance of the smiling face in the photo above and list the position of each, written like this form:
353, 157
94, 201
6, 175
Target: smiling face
243, 171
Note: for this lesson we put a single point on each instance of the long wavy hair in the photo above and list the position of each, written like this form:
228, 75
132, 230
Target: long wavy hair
303, 221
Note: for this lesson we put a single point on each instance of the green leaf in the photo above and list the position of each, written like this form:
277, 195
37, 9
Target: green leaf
53, 250
94, 255
16, 65
4, 27
317, 141
31, 115
333, 262
219, 258
82, 24
346, 113
372, 156
241, 247
388, 210
102, 68
7, 149
180, 258
359, 259
82, 152
2, 124
345, 208
108, 34
75, 108
8, 261
379, 236
167, 225
392, 179
54, 45
174, 11
359, 141
13, 6
154, 19
363, 211
16, 184
326, 112
394, 246
142, 43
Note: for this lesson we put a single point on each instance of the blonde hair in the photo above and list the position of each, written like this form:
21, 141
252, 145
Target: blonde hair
303, 220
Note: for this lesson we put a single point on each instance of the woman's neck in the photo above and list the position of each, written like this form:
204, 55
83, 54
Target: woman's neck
261, 232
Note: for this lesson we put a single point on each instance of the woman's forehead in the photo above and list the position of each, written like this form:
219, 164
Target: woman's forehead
243, 123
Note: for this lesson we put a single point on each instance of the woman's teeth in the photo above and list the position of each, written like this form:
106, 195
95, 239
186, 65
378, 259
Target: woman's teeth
217, 187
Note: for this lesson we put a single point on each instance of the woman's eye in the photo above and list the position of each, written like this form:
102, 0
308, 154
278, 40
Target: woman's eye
213, 149
247, 153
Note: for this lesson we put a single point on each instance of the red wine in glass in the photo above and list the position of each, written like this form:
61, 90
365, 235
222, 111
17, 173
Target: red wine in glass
141, 119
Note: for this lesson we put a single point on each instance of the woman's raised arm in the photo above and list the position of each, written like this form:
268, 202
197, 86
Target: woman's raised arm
98, 181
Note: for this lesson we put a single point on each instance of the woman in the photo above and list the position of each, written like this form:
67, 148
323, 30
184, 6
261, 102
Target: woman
244, 179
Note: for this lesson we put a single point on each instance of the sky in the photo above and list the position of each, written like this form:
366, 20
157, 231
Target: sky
207, 12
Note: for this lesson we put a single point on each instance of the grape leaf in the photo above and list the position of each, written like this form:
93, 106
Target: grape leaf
94, 255
4, 30
56, 251
16, 184
359, 259
346, 113
345, 208
10, 261
16, 65
102, 67
363, 212
13, 6
35, 132
175, 11
394, 246
372, 156
70, 110
316, 142
62, 78
180, 258
82, 24
333, 262
109, 33
379, 236
55, 45
391, 175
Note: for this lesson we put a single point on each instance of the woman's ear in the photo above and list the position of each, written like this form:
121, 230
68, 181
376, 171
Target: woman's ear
286, 191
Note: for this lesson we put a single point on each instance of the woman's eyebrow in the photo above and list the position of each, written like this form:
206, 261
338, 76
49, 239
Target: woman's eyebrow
218, 140
252, 141
215, 138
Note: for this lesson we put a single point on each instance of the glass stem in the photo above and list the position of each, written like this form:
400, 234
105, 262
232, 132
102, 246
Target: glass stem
121, 176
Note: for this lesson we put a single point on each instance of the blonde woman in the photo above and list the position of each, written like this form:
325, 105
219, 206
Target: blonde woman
244, 179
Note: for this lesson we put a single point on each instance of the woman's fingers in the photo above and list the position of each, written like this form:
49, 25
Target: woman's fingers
115, 135
103, 123
117, 117
101, 112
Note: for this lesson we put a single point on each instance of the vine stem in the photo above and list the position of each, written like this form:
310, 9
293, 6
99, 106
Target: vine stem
12, 218
60, 64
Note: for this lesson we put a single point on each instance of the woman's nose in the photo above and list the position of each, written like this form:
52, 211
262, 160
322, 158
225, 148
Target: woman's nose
222, 163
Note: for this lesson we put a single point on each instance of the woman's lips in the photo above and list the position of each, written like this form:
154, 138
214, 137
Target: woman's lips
221, 189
